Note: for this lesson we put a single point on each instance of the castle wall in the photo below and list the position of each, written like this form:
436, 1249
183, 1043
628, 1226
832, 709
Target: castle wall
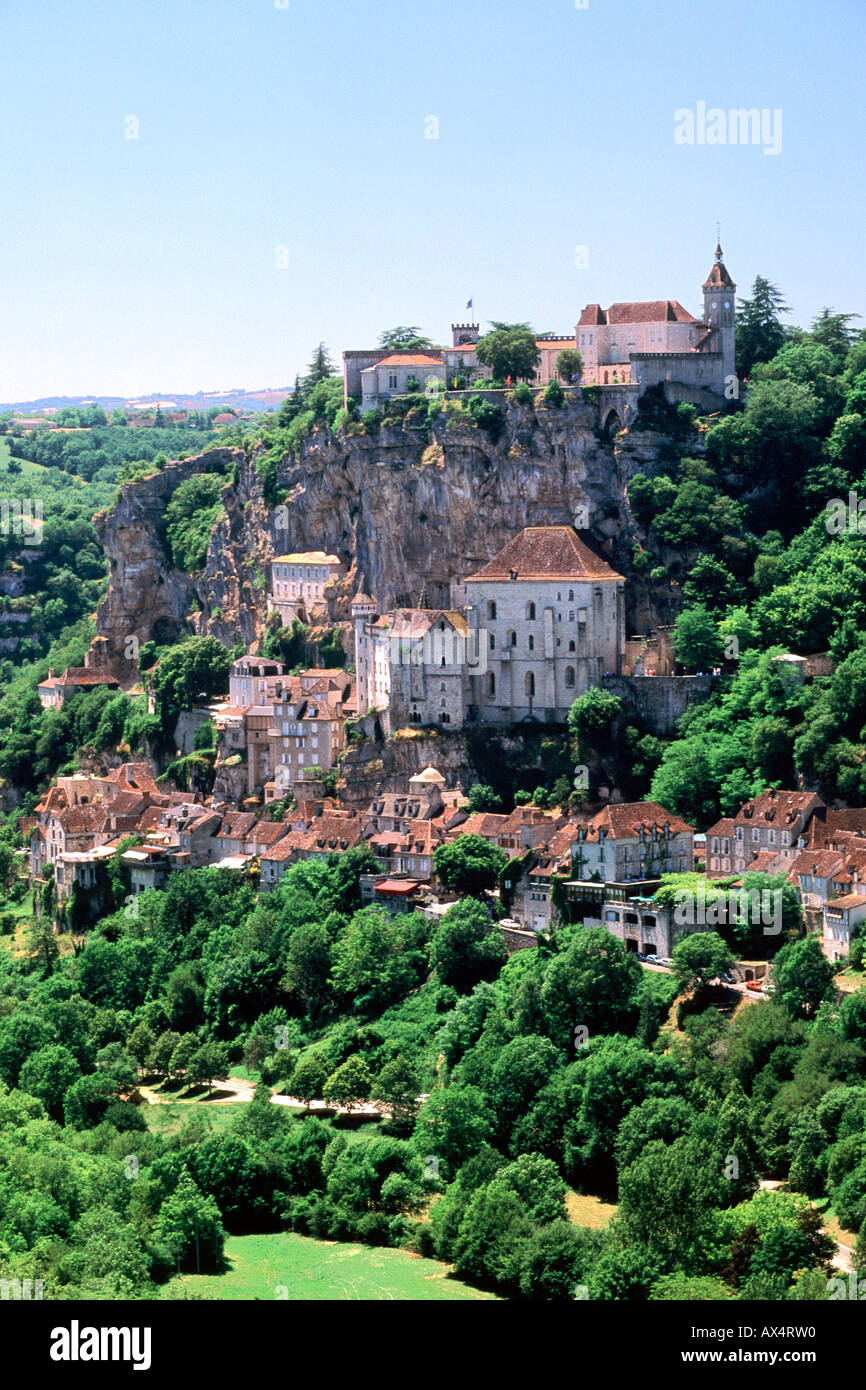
659, 701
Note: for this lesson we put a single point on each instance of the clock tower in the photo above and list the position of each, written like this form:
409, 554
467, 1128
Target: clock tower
719, 290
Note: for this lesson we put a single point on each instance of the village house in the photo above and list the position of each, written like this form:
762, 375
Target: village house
774, 821
54, 690
306, 732
632, 841
332, 833
412, 664
253, 681
842, 918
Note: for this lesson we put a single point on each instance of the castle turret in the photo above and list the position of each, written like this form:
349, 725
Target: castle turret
719, 291
364, 609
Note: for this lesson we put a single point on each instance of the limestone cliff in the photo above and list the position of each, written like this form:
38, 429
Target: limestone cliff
402, 509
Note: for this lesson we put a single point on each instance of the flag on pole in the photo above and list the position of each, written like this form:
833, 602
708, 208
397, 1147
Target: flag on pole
469, 304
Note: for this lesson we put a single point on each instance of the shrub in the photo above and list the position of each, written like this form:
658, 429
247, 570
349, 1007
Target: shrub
523, 394
553, 393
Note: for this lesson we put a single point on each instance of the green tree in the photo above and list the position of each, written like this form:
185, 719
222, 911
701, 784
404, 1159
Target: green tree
404, 339
48, 1074
349, 1085
509, 351
469, 864
760, 334
452, 1125
467, 946
701, 957
696, 640
802, 976
569, 366
190, 1225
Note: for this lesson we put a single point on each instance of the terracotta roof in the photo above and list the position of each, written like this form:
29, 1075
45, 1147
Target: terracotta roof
267, 832
547, 552
637, 311
237, 825
849, 900
410, 359
398, 886
415, 622
723, 828
718, 276
624, 822
776, 808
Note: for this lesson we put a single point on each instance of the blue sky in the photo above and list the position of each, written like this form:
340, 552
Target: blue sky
137, 265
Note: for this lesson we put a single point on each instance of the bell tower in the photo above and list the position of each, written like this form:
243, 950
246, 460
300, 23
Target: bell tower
719, 291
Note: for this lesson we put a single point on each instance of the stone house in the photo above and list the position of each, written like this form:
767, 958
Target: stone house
54, 690
253, 680
842, 917
412, 664
775, 820
632, 841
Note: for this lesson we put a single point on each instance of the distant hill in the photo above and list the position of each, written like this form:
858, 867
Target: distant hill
266, 399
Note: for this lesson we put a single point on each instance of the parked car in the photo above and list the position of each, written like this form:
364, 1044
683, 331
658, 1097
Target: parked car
727, 977
756, 985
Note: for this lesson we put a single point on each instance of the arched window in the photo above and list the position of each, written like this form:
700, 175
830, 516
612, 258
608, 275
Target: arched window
530, 684
571, 615
491, 683
571, 646
492, 642
571, 595
491, 610
531, 642
512, 639
442, 685
530, 612
569, 677
443, 703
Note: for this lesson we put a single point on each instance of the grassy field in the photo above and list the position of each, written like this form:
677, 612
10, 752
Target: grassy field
584, 1210
287, 1266
169, 1116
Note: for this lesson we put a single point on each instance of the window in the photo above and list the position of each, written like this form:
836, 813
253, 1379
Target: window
569, 677
392, 381
530, 684
531, 642
571, 646
571, 596
491, 610
530, 612
512, 639
491, 683
492, 642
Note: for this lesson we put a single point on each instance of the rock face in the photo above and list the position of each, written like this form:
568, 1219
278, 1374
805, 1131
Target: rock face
402, 509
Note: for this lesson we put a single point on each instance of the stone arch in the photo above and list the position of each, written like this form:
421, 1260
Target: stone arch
612, 424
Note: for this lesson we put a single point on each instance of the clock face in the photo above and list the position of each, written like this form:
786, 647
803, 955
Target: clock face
714, 305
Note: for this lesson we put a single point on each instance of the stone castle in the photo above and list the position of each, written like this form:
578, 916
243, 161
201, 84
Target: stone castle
639, 344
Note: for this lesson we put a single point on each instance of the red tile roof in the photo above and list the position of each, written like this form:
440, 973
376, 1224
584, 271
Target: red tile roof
547, 552
410, 359
637, 311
